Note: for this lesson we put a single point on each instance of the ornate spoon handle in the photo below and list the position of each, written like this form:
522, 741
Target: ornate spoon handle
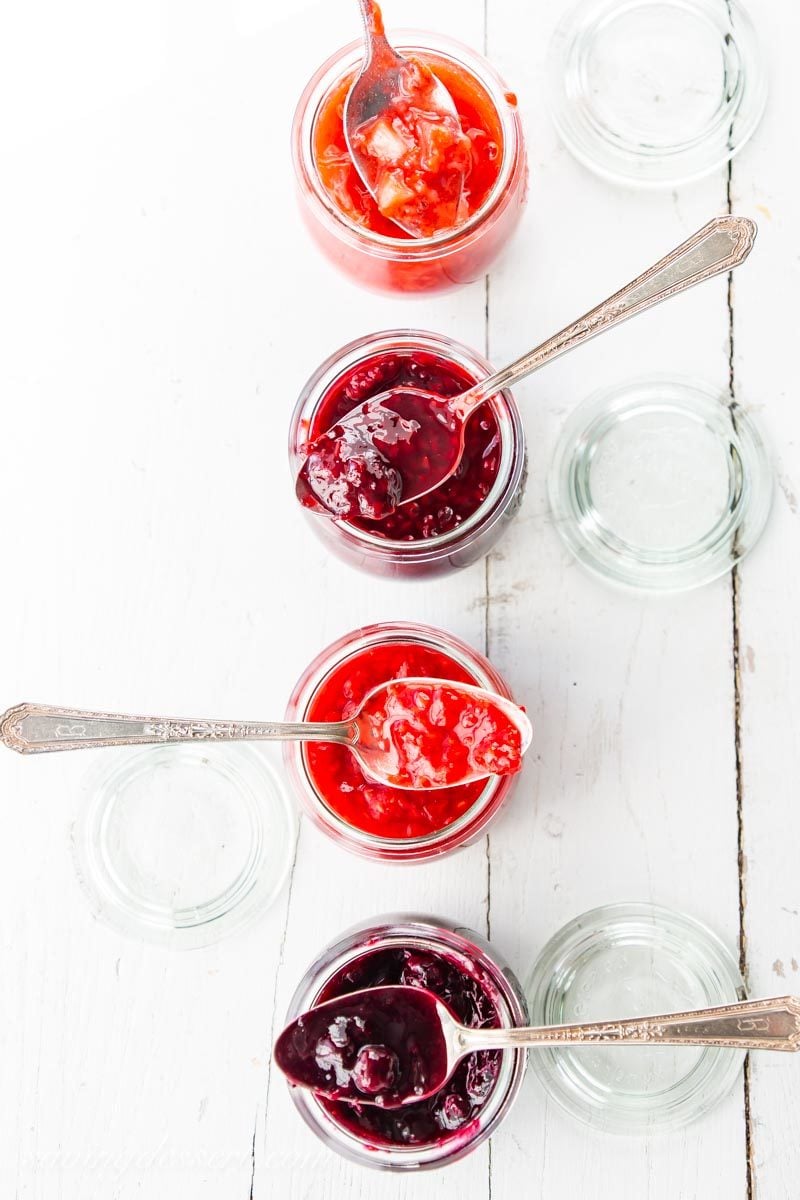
721, 245
39, 728
771, 1024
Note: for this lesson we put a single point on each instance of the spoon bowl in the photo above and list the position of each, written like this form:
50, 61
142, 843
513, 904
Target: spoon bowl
404, 136
387, 451
393, 1046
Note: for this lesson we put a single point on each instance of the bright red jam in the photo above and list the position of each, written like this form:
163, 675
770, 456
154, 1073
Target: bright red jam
449, 1112
446, 507
483, 141
437, 733
383, 811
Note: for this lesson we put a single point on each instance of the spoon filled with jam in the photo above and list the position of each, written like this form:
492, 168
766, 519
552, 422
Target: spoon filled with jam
410, 733
405, 442
405, 138
398, 1045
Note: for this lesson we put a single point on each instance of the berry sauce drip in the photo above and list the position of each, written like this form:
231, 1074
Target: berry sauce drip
449, 1111
480, 130
436, 733
368, 475
376, 808
382, 1046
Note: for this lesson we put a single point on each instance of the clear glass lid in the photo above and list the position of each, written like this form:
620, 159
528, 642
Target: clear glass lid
660, 484
655, 92
182, 844
633, 960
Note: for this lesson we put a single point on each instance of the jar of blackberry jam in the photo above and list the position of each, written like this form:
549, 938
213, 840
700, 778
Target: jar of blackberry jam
470, 975
371, 819
344, 220
459, 522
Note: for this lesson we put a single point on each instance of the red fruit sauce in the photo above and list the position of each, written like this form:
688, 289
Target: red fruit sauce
482, 140
375, 487
375, 808
448, 1113
437, 734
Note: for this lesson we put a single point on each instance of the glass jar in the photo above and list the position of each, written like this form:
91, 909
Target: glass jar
471, 823
446, 551
634, 960
477, 959
412, 265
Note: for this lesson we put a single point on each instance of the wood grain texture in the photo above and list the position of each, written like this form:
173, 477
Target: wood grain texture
160, 308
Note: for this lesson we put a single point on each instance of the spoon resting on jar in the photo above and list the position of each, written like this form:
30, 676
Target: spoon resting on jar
405, 442
392, 1046
405, 138
415, 734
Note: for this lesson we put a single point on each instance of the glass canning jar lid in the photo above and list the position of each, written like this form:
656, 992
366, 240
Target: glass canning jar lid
660, 484
180, 845
655, 92
626, 960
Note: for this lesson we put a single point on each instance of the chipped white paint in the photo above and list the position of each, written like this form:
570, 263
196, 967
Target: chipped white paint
160, 307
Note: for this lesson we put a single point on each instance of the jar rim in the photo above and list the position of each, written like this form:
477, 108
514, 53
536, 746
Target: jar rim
306, 113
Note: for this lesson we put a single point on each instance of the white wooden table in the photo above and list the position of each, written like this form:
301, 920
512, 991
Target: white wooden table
161, 307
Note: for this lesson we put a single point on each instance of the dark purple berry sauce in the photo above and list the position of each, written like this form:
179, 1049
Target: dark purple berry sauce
446, 1113
448, 506
382, 1045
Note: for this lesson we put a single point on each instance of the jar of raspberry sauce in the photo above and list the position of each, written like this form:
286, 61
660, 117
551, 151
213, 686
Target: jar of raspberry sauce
371, 819
464, 968
344, 221
460, 521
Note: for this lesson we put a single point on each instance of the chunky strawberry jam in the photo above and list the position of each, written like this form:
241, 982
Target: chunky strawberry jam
436, 733
375, 808
375, 488
481, 142
448, 1112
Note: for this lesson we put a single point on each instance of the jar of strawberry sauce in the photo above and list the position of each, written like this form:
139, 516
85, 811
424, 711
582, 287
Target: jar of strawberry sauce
460, 521
368, 818
340, 214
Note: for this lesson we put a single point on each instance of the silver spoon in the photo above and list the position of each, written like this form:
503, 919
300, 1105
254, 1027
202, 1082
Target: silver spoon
378, 150
405, 442
39, 728
391, 1046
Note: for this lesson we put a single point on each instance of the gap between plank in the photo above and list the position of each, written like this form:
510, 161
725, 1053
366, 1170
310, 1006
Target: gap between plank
737, 733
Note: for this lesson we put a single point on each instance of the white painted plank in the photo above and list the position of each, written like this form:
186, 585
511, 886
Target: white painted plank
631, 794
765, 181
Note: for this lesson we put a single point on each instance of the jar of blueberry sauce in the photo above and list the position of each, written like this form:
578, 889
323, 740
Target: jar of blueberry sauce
467, 971
460, 521
368, 818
